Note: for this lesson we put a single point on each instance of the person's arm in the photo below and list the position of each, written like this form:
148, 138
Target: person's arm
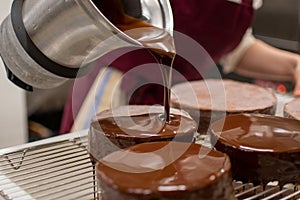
261, 60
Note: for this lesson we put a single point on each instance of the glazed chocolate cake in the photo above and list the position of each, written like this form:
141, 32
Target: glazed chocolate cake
165, 170
292, 109
212, 99
262, 148
128, 125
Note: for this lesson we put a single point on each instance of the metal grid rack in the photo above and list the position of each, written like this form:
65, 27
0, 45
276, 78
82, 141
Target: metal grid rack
60, 168
53, 170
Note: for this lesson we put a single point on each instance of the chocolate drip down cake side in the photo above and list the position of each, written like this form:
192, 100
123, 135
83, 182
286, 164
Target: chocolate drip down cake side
262, 148
211, 99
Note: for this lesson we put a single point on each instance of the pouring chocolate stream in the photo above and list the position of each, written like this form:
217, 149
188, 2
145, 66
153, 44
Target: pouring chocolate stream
159, 42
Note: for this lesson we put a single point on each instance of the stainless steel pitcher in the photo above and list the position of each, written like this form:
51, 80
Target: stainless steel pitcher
43, 43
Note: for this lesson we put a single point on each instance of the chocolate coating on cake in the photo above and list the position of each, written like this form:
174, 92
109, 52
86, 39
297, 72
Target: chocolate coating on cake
292, 109
211, 99
262, 148
128, 125
165, 170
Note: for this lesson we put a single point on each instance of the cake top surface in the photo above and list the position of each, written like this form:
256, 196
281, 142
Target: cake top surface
132, 110
142, 122
292, 108
261, 133
163, 167
222, 95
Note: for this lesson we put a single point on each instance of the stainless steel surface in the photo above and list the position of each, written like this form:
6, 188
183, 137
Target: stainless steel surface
278, 23
60, 168
69, 31
72, 33
16, 58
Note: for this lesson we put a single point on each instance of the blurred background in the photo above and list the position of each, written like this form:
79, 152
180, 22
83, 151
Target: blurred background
277, 23
27, 117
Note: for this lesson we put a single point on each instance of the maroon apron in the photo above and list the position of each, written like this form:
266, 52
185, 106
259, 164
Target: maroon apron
217, 25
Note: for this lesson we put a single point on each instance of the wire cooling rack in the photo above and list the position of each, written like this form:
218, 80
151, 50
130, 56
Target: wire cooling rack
60, 168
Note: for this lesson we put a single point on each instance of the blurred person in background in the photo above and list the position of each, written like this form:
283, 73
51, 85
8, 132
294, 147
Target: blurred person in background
221, 27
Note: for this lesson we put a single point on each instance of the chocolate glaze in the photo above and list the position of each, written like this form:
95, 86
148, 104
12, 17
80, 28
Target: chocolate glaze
158, 41
119, 129
262, 148
142, 127
165, 170
161, 45
212, 99
128, 125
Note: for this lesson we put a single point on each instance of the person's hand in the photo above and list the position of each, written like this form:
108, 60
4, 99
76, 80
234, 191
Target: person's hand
297, 78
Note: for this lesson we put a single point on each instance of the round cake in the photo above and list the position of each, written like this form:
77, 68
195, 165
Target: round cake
125, 126
262, 148
211, 99
165, 170
292, 109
